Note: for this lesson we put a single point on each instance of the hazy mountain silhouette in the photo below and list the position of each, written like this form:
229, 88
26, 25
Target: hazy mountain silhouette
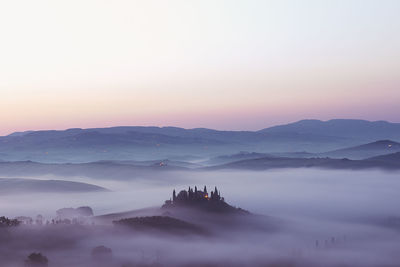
152, 143
127, 171
376, 148
223, 159
364, 151
235, 157
355, 129
328, 163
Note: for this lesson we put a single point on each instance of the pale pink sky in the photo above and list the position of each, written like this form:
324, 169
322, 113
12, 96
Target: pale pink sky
216, 64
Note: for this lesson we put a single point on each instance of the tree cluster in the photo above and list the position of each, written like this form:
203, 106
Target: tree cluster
195, 195
6, 222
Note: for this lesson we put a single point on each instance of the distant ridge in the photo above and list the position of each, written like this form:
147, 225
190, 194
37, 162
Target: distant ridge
381, 144
267, 163
350, 128
334, 127
20, 133
243, 155
152, 143
376, 148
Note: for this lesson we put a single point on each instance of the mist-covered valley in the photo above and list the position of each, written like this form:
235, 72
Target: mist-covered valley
303, 194
299, 217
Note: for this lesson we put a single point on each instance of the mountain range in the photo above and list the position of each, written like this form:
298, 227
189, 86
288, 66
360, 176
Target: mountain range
153, 143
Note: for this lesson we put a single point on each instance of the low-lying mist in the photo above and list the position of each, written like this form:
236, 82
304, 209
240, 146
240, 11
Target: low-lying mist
326, 218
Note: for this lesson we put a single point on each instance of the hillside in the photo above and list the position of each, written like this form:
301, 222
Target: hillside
160, 223
327, 163
394, 158
234, 157
18, 185
381, 147
362, 130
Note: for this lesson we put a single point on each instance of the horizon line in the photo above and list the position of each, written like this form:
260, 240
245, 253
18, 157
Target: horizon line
171, 126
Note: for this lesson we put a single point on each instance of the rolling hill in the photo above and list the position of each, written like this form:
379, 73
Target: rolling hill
18, 185
395, 158
234, 157
325, 163
99, 170
381, 147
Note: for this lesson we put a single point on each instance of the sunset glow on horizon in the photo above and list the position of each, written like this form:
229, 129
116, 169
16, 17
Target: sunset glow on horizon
230, 65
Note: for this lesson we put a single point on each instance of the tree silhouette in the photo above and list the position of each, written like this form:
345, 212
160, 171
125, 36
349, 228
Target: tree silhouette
36, 260
5, 222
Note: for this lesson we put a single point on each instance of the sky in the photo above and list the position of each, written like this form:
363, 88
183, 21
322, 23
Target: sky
237, 65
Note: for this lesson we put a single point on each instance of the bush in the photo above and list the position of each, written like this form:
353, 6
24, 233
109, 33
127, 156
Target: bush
6, 222
36, 260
